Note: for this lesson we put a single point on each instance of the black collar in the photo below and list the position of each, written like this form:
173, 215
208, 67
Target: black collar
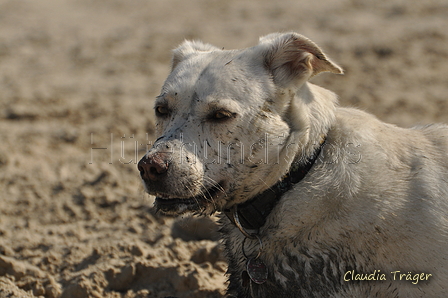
251, 215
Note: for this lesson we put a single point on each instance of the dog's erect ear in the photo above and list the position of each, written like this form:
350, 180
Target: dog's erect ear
188, 48
292, 57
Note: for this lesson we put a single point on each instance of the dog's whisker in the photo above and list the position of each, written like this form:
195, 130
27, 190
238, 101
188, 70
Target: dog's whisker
209, 196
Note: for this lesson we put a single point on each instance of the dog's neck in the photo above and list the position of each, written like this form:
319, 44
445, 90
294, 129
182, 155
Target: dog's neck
311, 115
251, 215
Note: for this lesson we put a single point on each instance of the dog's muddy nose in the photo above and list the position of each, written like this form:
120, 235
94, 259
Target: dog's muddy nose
153, 167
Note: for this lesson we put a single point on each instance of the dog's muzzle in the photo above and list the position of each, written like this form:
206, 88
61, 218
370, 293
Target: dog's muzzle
177, 186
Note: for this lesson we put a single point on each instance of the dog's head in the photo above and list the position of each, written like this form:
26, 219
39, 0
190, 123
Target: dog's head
230, 123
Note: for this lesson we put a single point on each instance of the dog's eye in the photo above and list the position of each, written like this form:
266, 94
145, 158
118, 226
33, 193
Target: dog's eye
221, 115
162, 111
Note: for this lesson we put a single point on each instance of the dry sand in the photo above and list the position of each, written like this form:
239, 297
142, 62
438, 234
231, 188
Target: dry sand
80, 74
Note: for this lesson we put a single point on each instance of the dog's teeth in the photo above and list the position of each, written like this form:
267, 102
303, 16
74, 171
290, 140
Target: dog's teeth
162, 196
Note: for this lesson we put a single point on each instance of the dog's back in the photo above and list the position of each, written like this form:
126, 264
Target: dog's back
396, 205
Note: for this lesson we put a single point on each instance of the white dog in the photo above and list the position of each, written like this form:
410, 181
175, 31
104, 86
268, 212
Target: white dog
321, 201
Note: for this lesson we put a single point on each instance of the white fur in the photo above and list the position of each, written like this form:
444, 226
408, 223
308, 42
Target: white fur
376, 199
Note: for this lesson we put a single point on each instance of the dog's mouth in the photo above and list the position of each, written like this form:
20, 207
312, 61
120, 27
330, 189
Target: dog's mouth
205, 201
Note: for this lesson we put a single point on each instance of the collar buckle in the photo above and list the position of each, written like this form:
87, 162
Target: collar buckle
251, 234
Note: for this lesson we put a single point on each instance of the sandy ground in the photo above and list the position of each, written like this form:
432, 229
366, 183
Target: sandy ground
77, 83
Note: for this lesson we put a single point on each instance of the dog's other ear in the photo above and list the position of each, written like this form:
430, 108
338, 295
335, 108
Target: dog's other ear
292, 58
188, 48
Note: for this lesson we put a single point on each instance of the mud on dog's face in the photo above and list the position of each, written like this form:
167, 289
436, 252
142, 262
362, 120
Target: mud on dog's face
223, 122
